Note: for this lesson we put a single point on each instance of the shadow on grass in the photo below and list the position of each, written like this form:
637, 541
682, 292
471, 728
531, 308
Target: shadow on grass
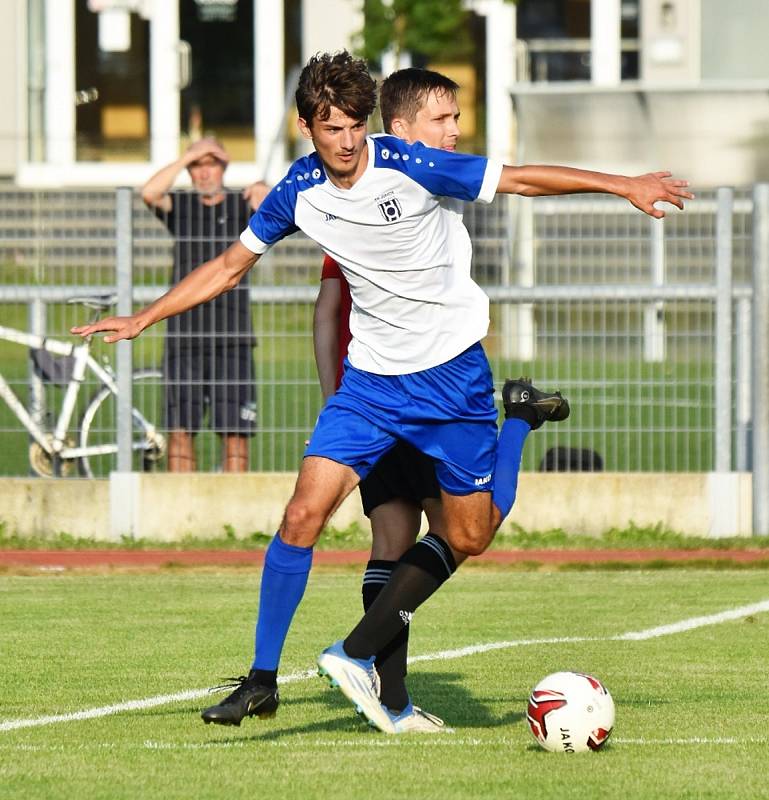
444, 694
440, 693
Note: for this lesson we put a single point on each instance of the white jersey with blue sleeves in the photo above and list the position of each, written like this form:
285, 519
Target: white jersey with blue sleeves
405, 255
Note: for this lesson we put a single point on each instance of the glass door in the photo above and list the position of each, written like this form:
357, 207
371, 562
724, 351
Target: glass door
218, 73
112, 80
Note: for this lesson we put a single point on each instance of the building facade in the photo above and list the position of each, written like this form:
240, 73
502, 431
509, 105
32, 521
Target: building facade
101, 92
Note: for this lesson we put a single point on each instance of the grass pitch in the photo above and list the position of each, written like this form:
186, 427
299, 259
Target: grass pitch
690, 708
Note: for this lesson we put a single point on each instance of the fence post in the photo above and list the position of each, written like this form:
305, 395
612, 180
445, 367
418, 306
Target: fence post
123, 484
761, 359
654, 313
518, 332
36, 325
124, 270
742, 381
723, 372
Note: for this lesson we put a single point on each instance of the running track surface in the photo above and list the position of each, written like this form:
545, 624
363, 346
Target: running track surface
73, 559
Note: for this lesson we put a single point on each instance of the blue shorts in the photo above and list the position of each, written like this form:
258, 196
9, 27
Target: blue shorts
447, 412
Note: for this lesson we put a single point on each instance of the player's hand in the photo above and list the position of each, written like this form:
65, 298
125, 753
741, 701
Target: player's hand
255, 193
655, 187
117, 327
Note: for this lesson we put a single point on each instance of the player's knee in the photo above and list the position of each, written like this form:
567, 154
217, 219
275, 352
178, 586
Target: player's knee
301, 525
471, 543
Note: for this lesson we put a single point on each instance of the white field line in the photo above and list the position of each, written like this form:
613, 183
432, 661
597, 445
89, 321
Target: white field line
696, 622
129, 705
714, 740
433, 741
374, 741
444, 655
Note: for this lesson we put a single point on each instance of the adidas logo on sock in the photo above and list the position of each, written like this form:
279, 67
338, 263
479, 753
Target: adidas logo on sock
406, 616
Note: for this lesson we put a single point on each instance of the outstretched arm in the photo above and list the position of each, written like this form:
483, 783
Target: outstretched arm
207, 281
643, 191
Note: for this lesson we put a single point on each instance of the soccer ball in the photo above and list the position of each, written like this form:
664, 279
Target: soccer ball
570, 712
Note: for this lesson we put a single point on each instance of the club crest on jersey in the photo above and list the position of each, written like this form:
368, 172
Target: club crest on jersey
391, 209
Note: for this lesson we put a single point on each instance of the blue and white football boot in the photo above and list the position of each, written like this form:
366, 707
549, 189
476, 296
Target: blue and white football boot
359, 683
414, 720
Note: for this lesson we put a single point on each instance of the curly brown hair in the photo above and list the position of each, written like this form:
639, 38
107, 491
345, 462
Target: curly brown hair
335, 79
405, 91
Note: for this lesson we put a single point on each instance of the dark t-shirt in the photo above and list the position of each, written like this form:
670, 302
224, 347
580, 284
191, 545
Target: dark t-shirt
201, 233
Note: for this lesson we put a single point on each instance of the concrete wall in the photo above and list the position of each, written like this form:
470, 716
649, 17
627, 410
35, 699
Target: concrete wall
734, 40
330, 25
169, 507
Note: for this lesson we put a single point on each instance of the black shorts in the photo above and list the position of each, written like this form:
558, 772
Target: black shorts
217, 378
403, 472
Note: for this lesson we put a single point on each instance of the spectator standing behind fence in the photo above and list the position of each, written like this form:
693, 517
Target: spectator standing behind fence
208, 361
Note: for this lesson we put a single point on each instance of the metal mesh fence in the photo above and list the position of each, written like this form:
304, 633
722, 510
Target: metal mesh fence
569, 281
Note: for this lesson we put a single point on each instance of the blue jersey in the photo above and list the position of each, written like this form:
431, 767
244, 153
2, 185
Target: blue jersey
406, 256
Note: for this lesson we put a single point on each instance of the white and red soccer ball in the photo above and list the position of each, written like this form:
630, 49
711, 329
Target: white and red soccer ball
570, 712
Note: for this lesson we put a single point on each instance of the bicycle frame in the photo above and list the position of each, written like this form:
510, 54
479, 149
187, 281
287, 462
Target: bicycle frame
55, 445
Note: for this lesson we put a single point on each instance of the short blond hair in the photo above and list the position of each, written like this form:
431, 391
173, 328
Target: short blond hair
212, 140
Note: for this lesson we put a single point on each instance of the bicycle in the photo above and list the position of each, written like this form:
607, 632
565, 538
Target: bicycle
55, 450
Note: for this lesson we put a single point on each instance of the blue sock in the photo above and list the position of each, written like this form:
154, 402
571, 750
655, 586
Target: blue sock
284, 578
509, 449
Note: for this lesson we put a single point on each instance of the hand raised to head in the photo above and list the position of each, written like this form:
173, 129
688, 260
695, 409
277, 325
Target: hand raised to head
208, 146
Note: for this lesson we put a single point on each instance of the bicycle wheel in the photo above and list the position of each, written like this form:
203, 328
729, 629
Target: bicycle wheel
98, 427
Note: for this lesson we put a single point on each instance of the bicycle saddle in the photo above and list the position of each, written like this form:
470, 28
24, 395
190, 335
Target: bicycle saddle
98, 302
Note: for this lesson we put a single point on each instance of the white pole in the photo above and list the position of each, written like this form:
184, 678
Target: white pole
724, 343
124, 281
605, 42
760, 371
500, 78
743, 396
516, 321
164, 82
654, 313
60, 81
269, 72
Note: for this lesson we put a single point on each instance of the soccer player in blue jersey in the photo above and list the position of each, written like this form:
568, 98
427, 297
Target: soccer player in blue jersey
416, 370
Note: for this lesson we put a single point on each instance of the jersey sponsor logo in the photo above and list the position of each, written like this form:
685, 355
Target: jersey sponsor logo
391, 209
482, 481
329, 217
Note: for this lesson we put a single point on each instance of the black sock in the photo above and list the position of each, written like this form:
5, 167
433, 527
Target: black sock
524, 412
375, 578
264, 677
420, 572
391, 660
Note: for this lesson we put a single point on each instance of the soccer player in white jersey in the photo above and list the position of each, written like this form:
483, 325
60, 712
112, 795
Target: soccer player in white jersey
416, 368
415, 105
